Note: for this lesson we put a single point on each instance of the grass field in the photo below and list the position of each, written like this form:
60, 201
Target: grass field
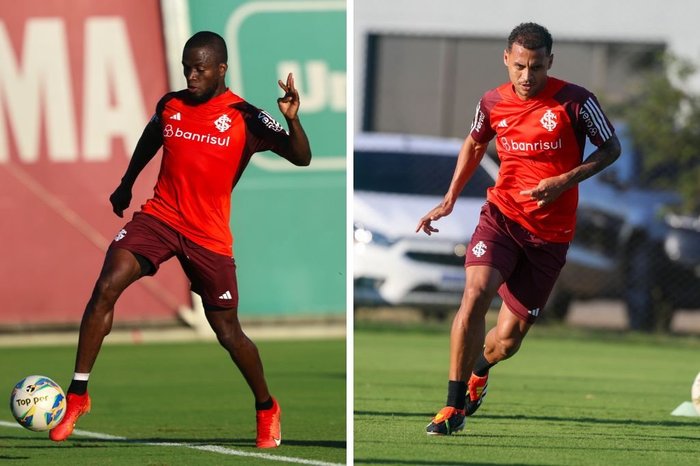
569, 397
190, 396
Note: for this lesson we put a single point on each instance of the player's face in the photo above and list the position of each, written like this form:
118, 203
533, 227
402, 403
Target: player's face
527, 69
204, 73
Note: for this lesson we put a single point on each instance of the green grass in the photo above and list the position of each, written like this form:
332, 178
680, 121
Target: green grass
185, 393
569, 397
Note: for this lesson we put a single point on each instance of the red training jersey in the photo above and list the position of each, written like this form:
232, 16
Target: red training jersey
535, 139
206, 147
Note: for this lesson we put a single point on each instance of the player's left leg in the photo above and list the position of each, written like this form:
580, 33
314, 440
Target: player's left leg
504, 340
242, 350
213, 277
501, 342
245, 355
524, 295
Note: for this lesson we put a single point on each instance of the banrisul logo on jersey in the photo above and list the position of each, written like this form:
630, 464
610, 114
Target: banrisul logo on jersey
170, 132
513, 145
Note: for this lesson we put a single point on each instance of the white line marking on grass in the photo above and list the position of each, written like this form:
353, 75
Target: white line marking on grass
209, 448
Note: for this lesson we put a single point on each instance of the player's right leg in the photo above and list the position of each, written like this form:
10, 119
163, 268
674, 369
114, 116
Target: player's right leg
466, 341
120, 269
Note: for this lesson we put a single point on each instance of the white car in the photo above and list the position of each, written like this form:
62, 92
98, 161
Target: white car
397, 180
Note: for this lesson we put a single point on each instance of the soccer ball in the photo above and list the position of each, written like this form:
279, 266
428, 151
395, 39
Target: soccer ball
695, 393
38, 403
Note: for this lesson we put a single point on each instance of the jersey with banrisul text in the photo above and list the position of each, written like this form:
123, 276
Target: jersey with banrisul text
206, 147
539, 138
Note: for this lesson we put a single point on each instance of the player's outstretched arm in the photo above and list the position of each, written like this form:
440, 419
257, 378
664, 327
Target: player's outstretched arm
149, 143
297, 149
470, 156
549, 189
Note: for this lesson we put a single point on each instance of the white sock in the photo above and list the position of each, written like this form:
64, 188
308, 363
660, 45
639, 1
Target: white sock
81, 376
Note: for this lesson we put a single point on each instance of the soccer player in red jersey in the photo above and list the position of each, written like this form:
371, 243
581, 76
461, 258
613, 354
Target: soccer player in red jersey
519, 246
208, 135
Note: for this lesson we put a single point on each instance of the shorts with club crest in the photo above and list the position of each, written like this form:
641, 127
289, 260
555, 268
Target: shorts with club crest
529, 265
212, 275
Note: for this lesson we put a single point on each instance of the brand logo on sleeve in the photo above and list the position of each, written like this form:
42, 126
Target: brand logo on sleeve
120, 235
478, 120
269, 122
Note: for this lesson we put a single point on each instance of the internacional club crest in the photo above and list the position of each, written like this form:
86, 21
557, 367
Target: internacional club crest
549, 120
479, 249
222, 123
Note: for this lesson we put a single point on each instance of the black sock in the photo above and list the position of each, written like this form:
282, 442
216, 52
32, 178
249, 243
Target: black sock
482, 366
79, 387
264, 405
456, 393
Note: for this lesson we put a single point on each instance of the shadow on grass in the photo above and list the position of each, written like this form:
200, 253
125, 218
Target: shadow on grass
441, 462
590, 420
80, 442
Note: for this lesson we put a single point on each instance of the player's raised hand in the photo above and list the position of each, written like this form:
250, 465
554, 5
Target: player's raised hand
120, 200
289, 102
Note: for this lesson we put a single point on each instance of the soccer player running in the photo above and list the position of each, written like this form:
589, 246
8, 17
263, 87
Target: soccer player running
519, 246
208, 136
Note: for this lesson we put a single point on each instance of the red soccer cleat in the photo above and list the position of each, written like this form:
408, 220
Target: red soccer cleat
77, 405
269, 428
448, 421
476, 391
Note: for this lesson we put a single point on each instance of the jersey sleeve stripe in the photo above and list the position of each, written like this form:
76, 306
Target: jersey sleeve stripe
598, 118
476, 116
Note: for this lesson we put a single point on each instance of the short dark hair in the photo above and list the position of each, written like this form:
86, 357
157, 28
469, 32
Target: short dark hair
532, 36
211, 40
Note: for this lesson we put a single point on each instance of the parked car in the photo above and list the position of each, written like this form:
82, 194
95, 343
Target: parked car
628, 246
397, 179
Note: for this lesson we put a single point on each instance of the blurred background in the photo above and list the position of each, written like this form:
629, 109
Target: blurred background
418, 75
78, 82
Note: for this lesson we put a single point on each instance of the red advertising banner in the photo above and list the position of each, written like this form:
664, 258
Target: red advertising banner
79, 80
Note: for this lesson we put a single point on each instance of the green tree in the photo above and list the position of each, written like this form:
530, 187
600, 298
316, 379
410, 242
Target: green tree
664, 121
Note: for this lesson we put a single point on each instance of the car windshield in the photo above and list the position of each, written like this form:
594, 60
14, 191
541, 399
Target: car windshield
413, 173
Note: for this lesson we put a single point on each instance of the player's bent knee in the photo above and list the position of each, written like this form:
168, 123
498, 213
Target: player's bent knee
106, 293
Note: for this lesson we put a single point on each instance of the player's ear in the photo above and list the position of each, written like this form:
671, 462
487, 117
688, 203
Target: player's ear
505, 57
222, 69
550, 60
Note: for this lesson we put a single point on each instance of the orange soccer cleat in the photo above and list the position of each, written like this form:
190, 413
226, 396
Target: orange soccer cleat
476, 391
77, 405
448, 421
269, 427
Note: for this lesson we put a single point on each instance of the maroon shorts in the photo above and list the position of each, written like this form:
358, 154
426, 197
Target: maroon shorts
529, 265
212, 275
